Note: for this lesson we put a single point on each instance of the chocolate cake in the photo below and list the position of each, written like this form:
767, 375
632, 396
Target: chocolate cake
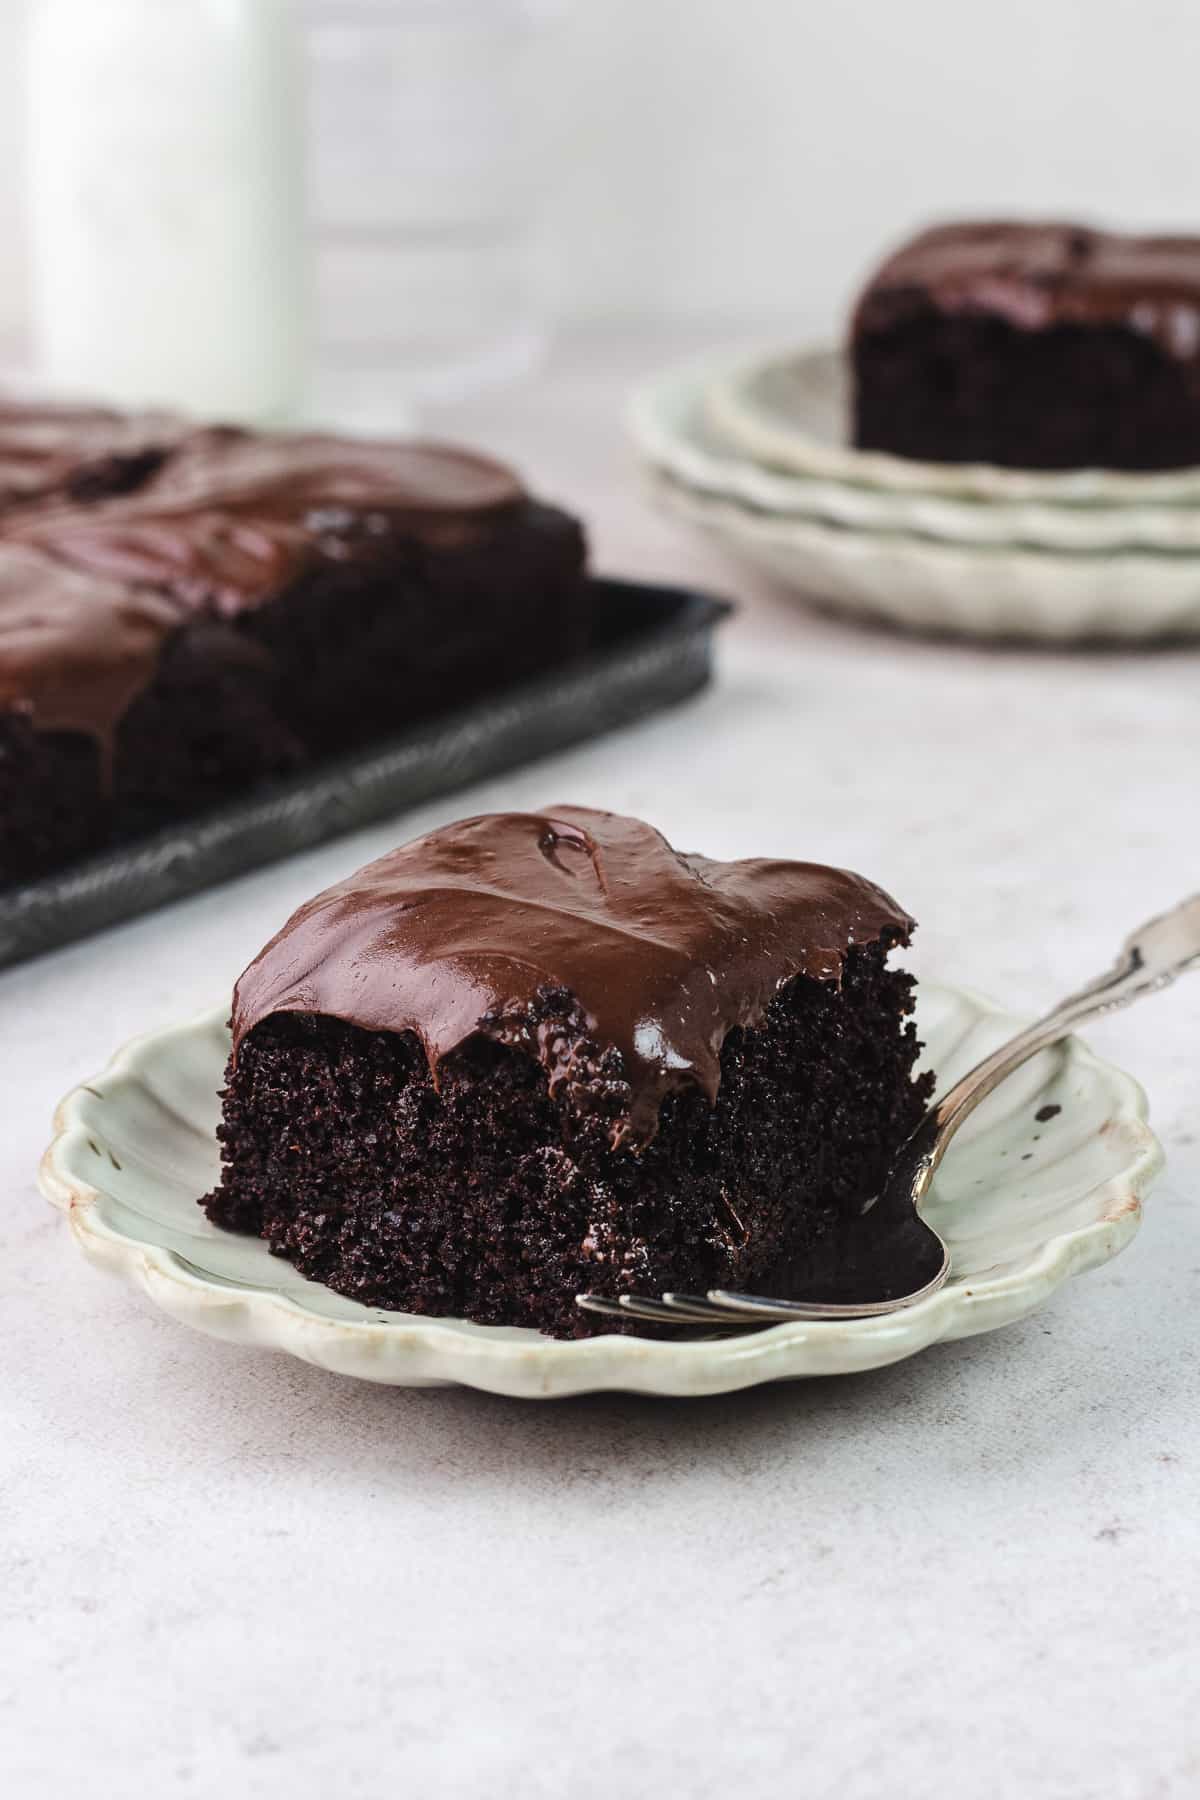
112, 718
535, 1054
55, 455
186, 613
1038, 346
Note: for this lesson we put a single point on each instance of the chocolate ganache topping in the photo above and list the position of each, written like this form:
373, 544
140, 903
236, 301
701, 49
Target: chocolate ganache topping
460, 934
51, 455
232, 518
1038, 276
94, 578
74, 651
289, 476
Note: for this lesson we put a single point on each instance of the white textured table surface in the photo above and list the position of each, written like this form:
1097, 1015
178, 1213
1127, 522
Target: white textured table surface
974, 1574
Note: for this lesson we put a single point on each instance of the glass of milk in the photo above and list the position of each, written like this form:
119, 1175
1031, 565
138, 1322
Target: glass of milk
166, 216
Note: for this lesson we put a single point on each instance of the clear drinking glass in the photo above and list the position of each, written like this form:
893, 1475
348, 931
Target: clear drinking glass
430, 274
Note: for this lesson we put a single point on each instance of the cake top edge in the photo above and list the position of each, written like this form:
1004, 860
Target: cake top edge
1040, 274
570, 933
60, 454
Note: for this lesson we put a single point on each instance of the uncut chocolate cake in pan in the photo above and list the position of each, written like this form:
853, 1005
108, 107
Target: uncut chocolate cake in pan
1032, 345
537, 1053
187, 612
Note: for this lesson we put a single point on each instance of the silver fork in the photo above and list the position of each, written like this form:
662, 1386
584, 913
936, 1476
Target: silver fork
889, 1233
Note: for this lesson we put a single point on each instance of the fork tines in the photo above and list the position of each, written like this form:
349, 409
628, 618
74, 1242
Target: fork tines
672, 1309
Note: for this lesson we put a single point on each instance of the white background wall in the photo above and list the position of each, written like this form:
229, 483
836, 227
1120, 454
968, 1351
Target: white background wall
12, 266
737, 160
748, 156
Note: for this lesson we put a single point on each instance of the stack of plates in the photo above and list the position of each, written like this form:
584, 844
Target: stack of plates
758, 455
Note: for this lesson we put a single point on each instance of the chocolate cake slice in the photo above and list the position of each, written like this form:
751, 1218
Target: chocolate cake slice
187, 613
537, 1053
1037, 346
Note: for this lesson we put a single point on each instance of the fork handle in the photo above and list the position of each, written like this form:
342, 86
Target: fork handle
1150, 958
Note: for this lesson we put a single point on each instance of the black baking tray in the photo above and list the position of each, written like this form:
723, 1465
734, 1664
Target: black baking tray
654, 646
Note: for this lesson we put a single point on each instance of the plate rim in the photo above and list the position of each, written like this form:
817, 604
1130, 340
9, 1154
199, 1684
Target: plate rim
424, 1352
789, 447
1021, 593
776, 526
660, 419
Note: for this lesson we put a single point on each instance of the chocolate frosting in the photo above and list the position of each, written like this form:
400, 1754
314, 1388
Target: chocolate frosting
52, 454
1038, 276
113, 529
232, 518
288, 477
205, 560
74, 651
458, 933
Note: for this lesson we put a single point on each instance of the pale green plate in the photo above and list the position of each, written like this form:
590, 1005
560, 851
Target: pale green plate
1022, 1205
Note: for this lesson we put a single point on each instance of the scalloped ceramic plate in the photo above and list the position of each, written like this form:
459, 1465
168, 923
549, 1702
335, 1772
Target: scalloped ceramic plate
979, 591
1022, 1205
789, 409
675, 422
